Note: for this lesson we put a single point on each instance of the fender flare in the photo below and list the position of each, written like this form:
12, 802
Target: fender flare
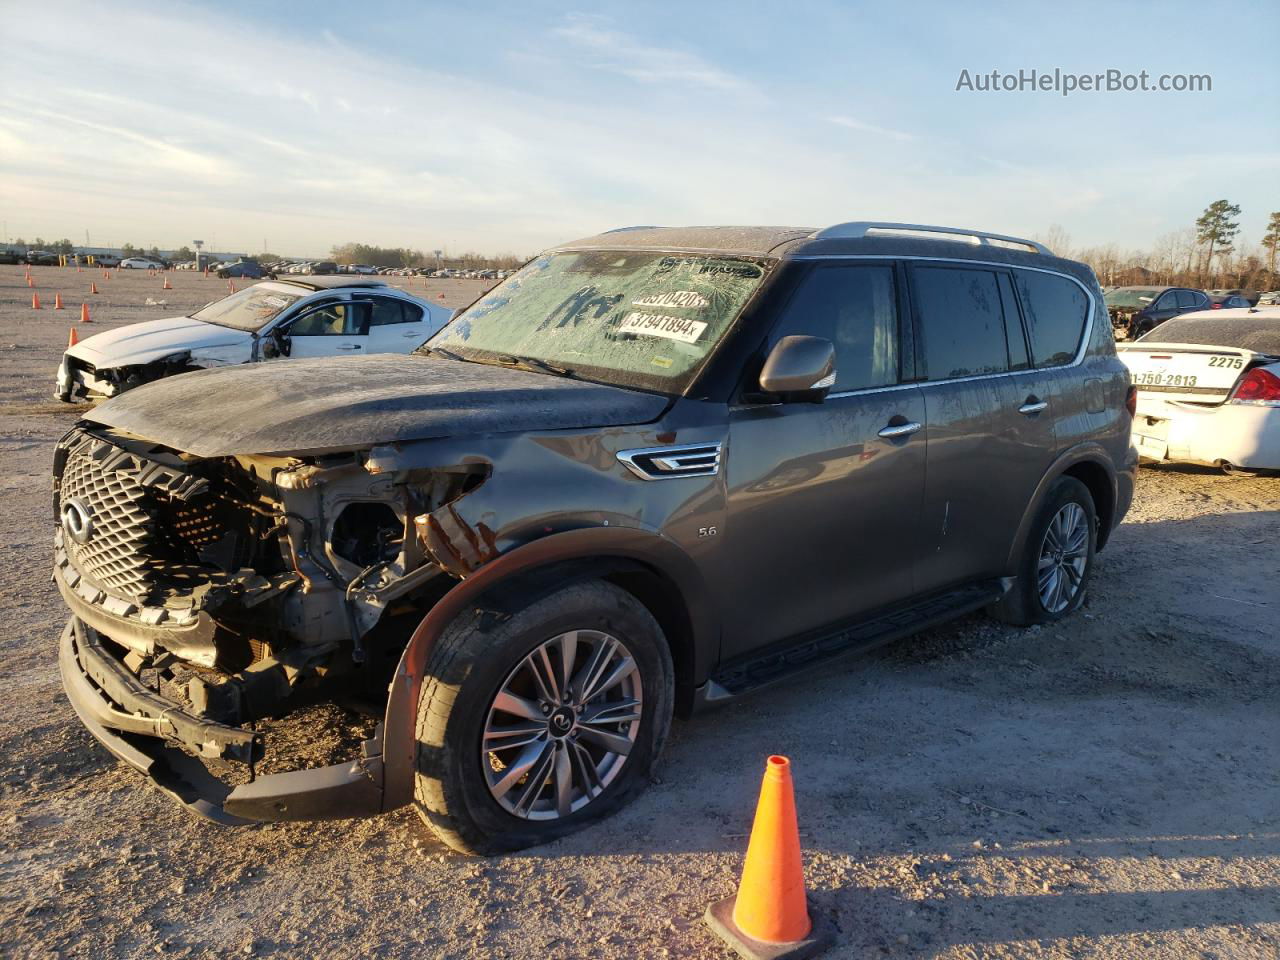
399, 734
1089, 452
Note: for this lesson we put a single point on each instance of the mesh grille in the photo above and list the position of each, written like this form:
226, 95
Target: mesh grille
115, 556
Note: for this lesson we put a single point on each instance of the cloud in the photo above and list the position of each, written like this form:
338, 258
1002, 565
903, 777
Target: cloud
871, 128
645, 63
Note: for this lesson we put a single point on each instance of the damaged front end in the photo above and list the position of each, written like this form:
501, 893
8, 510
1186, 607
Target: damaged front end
213, 596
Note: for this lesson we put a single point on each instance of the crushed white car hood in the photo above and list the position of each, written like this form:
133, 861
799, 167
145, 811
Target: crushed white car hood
153, 339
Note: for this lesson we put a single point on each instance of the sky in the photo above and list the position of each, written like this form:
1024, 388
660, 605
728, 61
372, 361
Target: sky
508, 127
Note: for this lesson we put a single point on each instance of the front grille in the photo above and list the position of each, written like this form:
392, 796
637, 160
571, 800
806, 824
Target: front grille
155, 530
115, 555
75, 363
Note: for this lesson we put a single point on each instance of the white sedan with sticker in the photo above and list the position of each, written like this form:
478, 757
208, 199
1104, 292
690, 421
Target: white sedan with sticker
1209, 389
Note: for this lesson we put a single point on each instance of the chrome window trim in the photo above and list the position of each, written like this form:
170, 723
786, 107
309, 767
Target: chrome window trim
1080, 352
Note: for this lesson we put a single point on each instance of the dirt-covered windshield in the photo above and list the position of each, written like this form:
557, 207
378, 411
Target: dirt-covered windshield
631, 318
249, 309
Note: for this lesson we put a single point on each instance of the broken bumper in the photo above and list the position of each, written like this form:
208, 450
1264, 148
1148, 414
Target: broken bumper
149, 733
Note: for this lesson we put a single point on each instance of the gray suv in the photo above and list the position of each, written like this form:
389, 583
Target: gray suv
653, 470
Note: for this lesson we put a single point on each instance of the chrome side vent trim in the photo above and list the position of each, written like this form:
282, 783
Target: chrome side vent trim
667, 463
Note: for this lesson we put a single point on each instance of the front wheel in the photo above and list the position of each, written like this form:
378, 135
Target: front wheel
1057, 560
533, 726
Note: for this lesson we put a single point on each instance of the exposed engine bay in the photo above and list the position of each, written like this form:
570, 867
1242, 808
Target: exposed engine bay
243, 588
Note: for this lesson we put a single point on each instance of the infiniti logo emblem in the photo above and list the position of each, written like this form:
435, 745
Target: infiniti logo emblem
77, 520
561, 722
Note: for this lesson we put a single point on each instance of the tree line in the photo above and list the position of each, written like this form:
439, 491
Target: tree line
1206, 254
376, 256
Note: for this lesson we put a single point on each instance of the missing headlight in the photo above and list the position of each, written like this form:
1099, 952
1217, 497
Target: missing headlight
368, 533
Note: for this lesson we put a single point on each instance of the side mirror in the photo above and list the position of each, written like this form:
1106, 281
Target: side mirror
800, 369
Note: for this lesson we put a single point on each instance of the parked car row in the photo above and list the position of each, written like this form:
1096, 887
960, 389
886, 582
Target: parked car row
1136, 311
530, 543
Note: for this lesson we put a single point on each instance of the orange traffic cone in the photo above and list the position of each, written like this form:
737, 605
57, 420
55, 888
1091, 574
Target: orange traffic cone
35, 301
769, 916
167, 284
72, 338
57, 301
231, 286
93, 287
30, 281
84, 313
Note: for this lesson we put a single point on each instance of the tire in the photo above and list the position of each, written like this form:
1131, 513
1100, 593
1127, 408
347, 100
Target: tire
478, 657
1024, 604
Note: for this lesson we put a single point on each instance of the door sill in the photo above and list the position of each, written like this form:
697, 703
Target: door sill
794, 656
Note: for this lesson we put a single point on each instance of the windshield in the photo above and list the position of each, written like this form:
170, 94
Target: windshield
249, 309
631, 318
1130, 297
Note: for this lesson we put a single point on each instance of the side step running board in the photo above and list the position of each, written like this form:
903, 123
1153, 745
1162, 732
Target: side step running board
781, 662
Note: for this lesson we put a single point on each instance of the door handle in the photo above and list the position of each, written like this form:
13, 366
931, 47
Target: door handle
899, 430
1033, 406
416, 333
348, 346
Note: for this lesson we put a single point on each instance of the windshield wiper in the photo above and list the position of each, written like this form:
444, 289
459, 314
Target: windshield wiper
447, 354
537, 364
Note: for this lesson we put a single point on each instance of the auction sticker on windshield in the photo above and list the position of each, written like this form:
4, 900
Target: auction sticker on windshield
657, 325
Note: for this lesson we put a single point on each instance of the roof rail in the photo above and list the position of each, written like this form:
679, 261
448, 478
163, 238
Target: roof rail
860, 228
647, 226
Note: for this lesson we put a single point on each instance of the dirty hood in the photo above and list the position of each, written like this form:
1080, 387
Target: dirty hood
345, 403
153, 339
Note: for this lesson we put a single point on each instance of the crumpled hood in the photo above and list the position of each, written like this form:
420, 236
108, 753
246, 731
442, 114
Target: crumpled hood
153, 339
346, 403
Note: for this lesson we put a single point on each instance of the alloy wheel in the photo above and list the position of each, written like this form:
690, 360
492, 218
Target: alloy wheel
562, 725
1064, 553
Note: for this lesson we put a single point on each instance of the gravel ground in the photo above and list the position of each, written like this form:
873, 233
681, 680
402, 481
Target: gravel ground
1106, 787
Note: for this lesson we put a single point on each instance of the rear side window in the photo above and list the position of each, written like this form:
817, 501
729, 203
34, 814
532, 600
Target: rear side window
855, 307
1188, 299
1055, 310
961, 322
387, 312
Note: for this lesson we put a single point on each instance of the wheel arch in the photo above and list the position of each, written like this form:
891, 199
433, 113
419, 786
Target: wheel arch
651, 568
1090, 464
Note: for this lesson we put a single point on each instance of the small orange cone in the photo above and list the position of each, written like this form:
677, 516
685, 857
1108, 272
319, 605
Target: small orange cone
35, 301
167, 284
30, 281
72, 338
93, 287
231, 286
57, 301
768, 918
84, 313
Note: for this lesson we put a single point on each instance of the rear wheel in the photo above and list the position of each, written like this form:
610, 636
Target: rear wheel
1057, 560
532, 727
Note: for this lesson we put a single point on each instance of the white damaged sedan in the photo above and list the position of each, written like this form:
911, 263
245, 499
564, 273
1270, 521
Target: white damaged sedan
1209, 389
303, 317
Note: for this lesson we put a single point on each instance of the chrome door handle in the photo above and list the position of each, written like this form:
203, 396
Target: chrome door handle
899, 430
348, 346
1030, 407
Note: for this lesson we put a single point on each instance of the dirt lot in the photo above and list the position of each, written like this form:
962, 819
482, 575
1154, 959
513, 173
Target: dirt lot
1104, 788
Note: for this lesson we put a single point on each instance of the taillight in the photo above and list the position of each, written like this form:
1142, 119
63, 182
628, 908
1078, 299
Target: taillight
1131, 401
1258, 386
